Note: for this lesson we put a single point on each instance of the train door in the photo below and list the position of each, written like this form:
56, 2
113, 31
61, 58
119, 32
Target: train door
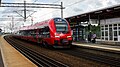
37, 36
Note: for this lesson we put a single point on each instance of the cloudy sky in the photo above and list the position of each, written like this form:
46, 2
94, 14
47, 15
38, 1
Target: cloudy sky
72, 7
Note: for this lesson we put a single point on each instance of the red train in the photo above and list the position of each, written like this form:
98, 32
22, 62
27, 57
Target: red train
54, 32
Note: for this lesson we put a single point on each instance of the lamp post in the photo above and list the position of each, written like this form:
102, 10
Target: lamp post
31, 20
12, 24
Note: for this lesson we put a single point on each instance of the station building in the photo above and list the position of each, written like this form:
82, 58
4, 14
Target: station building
107, 19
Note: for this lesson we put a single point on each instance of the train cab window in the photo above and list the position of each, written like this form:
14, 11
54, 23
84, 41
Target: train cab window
61, 25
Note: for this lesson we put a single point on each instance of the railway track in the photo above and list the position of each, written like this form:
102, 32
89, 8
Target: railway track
98, 56
111, 59
37, 58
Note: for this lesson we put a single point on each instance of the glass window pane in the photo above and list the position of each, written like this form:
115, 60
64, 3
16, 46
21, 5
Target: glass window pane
110, 34
115, 33
115, 28
115, 24
106, 28
118, 24
102, 33
110, 25
106, 25
119, 32
106, 38
119, 28
115, 39
106, 33
102, 28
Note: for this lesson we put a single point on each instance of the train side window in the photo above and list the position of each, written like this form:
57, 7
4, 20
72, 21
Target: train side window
47, 29
46, 32
29, 32
32, 33
40, 32
35, 33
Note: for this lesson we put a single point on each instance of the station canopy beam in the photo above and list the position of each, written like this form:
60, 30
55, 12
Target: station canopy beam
104, 13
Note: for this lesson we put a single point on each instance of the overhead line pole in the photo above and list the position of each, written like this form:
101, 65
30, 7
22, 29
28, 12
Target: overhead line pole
61, 9
24, 11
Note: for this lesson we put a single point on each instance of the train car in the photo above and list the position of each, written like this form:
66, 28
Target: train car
54, 32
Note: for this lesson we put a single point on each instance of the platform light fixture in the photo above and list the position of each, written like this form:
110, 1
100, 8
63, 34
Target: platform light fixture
108, 10
117, 8
83, 15
98, 12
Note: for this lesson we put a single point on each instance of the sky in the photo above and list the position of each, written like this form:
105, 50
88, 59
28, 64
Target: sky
72, 8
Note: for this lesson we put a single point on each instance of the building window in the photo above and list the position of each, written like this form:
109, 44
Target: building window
115, 33
115, 39
110, 32
119, 32
110, 25
103, 38
106, 38
119, 25
102, 33
106, 28
115, 28
119, 28
115, 24
106, 25
102, 28
106, 33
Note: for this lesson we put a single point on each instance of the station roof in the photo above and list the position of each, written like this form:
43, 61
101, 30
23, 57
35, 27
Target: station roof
105, 13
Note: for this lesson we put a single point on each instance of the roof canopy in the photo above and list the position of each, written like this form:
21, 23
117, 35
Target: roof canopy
110, 12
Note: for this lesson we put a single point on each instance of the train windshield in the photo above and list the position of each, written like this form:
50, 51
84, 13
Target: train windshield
61, 25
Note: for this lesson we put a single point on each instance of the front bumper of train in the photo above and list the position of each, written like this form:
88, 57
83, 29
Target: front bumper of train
62, 42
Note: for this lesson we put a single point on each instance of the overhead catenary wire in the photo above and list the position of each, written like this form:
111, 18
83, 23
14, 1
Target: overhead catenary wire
59, 1
35, 0
51, 11
65, 6
74, 3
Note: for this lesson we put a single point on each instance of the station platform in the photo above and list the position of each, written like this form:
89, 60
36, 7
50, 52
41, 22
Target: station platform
97, 46
11, 57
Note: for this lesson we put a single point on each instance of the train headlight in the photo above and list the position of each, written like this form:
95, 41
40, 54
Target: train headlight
57, 36
69, 36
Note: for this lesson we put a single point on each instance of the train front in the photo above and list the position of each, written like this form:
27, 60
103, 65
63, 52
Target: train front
62, 33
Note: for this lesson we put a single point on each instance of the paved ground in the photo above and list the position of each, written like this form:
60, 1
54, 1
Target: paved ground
1, 60
11, 57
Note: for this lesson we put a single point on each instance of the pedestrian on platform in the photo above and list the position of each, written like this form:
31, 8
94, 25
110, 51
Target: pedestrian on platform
89, 37
94, 38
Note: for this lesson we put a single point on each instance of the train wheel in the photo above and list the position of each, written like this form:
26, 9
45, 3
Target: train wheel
45, 44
